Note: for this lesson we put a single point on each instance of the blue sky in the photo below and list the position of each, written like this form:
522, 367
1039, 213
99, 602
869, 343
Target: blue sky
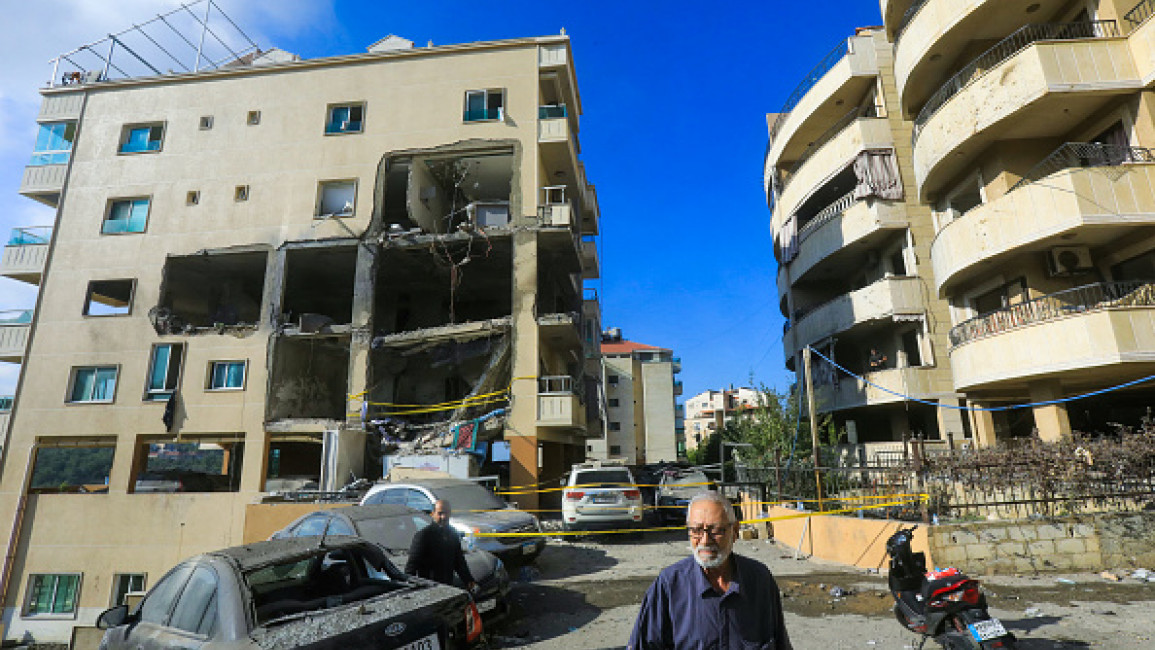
675, 97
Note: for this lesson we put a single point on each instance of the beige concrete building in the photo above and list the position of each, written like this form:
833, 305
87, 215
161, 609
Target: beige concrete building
641, 385
709, 411
1032, 127
853, 245
276, 270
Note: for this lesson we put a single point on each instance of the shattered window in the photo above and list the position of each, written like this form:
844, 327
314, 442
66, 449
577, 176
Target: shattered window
336, 198
125, 215
345, 118
109, 298
53, 144
73, 470
164, 371
481, 105
141, 137
124, 584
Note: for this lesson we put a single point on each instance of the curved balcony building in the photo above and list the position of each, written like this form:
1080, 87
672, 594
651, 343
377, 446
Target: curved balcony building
852, 243
1032, 145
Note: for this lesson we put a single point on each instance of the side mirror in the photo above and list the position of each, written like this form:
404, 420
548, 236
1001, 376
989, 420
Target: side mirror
114, 617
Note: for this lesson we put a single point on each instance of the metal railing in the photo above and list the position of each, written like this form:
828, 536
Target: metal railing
829, 213
6, 403
808, 82
551, 112
1087, 298
15, 316
481, 114
1074, 155
1139, 13
1005, 49
555, 384
30, 236
829, 134
907, 17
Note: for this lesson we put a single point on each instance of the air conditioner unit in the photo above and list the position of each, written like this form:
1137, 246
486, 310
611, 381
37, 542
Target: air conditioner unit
1069, 260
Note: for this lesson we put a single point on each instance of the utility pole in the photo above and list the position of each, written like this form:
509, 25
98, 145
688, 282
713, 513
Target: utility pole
813, 412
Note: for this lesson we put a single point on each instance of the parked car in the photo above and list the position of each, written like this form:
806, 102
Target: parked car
601, 495
293, 593
477, 514
675, 489
392, 527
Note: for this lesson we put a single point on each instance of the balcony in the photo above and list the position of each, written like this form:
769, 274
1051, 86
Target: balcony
560, 331
1070, 200
676, 364
591, 212
831, 154
852, 392
553, 129
44, 183
839, 80
591, 268
886, 299
26, 254
844, 230
14, 327
677, 387
1107, 332
1039, 82
557, 403
552, 55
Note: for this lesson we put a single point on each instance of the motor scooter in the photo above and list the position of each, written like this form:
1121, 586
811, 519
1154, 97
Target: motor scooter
944, 605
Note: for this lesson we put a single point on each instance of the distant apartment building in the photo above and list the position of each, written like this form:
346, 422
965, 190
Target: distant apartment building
709, 412
279, 269
852, 241
641, 385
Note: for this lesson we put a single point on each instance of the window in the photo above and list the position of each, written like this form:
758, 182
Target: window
196, 611
614, 401
227, 375
312, 527
615, 450
109, 298
93, 384
163, 371
73, 470
192, 198
52, 593
612, 379
336, 198
206, 122
615, 426
483, 105
125, 215
345, 118
139, 138
417, 500
124, 584
241, 193
339, 527
254, 118
53, 144
392, 497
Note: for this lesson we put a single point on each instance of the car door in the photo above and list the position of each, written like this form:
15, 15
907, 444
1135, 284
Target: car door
153, 612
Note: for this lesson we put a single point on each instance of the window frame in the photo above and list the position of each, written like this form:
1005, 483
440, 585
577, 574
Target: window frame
28, 592
88, 292
131, 200
127, 130
206, 122
212, 372
113, 601
330, 121
241, 193
74, 373
253, 118
47, 156
320, 201
485, 94
153, 395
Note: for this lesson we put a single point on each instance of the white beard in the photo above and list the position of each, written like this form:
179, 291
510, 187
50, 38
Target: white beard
714, 562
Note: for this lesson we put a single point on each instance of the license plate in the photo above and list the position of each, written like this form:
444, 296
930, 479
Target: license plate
428, 643
487, 606
528, 548
987, 630
605, 498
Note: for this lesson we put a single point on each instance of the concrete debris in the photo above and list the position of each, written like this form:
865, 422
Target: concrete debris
1110, 575
1033, 612
1141, 574
839, 592
1064, 581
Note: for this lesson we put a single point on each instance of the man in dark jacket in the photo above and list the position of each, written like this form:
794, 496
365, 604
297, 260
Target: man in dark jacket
436, 551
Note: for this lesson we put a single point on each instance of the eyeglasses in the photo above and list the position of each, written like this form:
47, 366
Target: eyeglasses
712, 531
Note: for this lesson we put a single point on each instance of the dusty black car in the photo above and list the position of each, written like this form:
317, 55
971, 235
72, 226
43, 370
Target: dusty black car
393, 527
335, 592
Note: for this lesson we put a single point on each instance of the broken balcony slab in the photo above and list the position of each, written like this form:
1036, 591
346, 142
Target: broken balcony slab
460, 332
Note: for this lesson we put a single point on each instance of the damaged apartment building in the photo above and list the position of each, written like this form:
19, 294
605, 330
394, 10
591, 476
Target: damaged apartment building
281, 271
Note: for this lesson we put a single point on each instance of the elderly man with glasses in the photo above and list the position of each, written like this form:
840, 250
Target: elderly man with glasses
713, 599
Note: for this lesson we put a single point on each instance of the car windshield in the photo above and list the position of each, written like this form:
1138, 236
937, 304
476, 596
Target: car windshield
685, 479
603, 478
464, 498
394, 533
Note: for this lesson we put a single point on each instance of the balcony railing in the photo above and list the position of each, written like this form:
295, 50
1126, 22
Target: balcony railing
808, 82
1073, 155
6, 403
15, 317
551, 112
555, 384
30, 236
827, 135
482, 114
829, 213
1005, 49
1087, 298
1140, 13
907, 17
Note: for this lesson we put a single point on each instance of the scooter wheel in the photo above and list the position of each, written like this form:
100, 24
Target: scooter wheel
902, 620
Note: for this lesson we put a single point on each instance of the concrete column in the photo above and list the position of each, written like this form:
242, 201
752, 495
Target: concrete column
950, 420
983, 425
521, 426
1051, 420
364, 294
127, 461
253, 465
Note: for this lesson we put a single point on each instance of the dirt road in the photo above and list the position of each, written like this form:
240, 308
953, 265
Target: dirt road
585, 595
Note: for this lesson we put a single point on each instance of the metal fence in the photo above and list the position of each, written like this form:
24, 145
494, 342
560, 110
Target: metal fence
1140, 13
1079, 155
1005, 49
907, 17
808, 82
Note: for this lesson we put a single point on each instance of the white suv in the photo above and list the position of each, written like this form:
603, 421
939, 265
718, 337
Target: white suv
599, 495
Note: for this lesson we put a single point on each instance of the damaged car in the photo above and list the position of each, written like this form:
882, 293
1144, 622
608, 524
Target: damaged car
393, 528
331, 592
